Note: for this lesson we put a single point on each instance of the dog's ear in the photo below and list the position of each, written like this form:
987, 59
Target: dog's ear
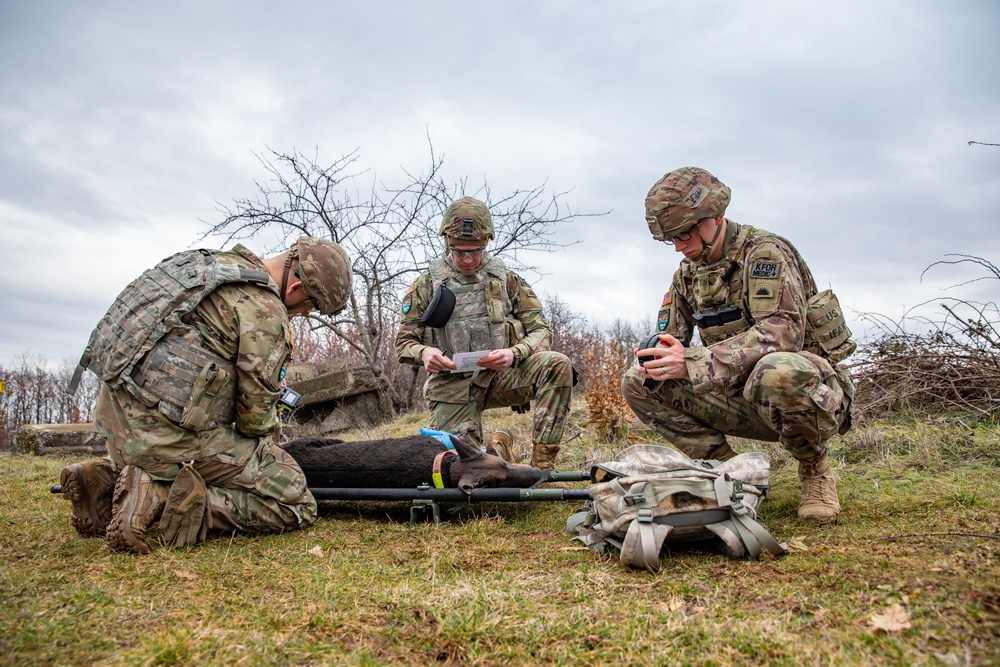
465, 451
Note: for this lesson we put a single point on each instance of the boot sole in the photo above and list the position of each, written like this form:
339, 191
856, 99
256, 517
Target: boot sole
86, 517
120, 535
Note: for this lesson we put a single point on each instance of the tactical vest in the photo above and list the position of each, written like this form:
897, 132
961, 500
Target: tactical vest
722, 307
144, 346
482, 307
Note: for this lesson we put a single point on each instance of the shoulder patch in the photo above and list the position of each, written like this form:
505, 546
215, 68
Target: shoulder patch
763, 292
408, 299
765, 269
667, 298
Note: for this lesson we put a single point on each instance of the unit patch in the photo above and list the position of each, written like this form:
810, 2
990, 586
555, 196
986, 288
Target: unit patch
765, 269
408, 299
763, 292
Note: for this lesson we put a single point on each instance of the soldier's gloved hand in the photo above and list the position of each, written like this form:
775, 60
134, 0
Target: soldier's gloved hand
186, 519
441, 436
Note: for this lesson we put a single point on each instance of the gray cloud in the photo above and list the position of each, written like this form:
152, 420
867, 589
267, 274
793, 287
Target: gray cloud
843, 126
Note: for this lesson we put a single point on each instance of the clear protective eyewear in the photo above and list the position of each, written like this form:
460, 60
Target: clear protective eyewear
474, 253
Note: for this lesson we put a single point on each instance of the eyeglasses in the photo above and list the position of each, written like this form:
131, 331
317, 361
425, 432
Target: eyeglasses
474, 253
683, 236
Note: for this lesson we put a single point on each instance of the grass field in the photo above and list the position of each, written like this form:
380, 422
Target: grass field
504, 584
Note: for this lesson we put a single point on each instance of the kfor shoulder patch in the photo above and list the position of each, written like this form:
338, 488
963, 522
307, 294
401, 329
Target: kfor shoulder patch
765, 269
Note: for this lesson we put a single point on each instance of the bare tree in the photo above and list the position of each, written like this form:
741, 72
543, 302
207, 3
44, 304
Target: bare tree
390, 234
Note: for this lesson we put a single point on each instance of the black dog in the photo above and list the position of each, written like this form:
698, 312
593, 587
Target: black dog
404, 463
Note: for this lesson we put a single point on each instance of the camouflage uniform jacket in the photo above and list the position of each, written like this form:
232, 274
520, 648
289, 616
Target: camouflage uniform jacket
249, 326
751, 302
514, 312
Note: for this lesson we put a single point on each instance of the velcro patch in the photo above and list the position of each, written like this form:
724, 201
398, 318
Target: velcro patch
667, 298
696, 196
765, 269
763, 292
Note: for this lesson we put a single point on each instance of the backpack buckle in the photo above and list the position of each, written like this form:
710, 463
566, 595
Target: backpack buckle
738, 508
634, 499
644, 515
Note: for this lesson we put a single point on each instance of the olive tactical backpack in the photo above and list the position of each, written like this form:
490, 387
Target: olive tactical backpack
651, 496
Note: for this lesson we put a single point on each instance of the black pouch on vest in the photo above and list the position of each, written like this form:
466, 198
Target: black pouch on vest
440, 308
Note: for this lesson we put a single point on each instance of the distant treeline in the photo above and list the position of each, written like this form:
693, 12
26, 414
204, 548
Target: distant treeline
35, 393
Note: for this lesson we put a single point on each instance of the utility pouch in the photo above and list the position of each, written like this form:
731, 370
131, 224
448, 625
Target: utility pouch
828, 328
495, 301
515, 330
198, 411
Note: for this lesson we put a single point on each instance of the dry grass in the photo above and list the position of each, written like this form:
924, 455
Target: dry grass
503, 584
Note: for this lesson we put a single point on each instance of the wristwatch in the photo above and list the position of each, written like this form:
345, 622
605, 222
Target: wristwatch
517, 357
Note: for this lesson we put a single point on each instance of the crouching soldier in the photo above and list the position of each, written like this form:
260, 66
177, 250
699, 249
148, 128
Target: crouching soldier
768, 366
191, 356
469, 301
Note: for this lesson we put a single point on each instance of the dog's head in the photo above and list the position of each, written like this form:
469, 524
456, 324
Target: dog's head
475, 469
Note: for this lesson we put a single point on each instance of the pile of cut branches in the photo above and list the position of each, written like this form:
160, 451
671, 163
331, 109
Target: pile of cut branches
953, 361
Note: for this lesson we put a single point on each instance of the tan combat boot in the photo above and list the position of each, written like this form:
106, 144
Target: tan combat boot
721, 453
89, 486
819, 491
503, 444
543, 457
138, 502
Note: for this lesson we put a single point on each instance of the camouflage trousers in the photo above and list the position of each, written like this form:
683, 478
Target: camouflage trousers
545, 377
798, 399
253, 485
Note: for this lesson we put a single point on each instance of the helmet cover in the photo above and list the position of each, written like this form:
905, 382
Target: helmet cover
681, 198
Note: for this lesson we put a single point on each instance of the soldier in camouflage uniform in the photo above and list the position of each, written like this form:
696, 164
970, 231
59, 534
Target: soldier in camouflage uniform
767, 367
495, 310
192, 356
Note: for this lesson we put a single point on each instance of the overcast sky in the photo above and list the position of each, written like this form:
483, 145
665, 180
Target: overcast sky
841, 125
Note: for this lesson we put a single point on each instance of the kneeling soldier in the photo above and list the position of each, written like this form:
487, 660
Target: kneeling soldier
192, 355
492, 308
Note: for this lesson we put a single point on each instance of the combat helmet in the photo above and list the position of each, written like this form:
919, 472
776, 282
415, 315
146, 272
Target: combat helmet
467, 219
681, 198
325, 271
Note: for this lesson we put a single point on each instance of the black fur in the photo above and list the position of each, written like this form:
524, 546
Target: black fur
401, 463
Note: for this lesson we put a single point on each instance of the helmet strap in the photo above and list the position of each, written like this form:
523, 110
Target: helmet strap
293, 254
712, 250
